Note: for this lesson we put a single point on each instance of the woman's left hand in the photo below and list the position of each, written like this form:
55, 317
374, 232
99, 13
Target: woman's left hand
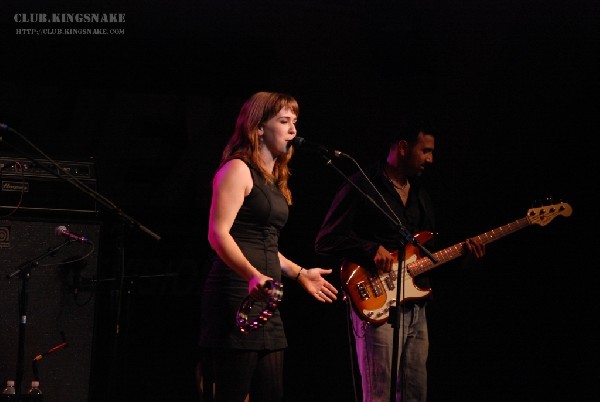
313, 281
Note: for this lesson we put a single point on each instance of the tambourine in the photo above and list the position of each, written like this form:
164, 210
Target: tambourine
243, 312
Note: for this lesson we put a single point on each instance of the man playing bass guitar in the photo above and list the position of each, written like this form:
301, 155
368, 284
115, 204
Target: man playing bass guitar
357, 232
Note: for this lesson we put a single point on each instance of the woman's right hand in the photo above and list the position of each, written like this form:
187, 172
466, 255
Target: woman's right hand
257, 288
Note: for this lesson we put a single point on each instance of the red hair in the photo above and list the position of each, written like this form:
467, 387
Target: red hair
244, 143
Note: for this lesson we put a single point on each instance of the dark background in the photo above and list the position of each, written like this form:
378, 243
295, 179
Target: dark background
514, 89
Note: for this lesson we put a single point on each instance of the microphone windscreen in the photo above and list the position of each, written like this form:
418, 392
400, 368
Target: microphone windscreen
60, 230
297, 142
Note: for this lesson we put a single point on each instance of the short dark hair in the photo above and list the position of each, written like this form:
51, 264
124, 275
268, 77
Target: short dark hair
409, 128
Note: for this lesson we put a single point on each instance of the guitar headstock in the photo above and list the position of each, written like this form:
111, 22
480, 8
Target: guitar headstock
543, 215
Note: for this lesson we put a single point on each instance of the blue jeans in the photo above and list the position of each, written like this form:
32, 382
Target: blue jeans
374, 354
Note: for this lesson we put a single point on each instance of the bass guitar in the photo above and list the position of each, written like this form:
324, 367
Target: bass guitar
372, 294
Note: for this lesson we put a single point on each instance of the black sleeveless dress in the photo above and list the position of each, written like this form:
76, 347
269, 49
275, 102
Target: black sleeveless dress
256, 231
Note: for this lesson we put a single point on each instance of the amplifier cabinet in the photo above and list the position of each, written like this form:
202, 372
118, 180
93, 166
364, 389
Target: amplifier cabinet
61, 303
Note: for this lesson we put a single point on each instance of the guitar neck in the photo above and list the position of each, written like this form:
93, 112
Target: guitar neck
423, 265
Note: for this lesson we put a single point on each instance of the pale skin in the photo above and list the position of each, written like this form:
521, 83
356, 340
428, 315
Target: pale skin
232, 183
404, 162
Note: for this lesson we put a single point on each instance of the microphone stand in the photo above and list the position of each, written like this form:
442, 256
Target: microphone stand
24, 272
394, 313
108, 206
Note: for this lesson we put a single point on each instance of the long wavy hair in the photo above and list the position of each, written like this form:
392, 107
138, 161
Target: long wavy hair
244, 143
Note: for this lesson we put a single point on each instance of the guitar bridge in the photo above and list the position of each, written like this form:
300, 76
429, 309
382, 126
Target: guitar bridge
361, 289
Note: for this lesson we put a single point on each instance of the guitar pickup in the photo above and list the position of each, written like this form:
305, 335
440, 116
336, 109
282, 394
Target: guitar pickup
376, 286
390, 280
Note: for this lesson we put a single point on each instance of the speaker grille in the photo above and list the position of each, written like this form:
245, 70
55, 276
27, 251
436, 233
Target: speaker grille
54, 308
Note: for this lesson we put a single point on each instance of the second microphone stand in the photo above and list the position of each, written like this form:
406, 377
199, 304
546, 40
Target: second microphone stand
24, 272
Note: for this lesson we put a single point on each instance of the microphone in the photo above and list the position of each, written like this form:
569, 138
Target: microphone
299, 143
63, 231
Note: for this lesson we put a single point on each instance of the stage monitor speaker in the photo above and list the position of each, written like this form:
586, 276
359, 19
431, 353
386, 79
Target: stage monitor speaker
60, 305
